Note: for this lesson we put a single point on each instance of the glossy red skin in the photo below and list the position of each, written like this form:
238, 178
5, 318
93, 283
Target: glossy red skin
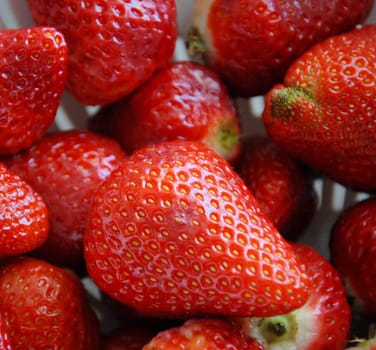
328, 300
114, 45
65, 168
182, 101
45, 307
203, 334
279, 184
353, 251
324, 113
174, 232
4, 338
33, 68
24, 224
263, 38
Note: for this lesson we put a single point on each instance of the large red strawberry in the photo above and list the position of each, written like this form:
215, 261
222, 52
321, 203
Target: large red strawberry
323, 323
174, 231
279, 184
24, 221
252, 43
114, 45
65, 168
203, 334
46, 307
183, 101
324, 114
353, 252
33, 67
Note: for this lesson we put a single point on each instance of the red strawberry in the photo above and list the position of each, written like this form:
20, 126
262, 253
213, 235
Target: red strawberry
184, 101
174, 231
279, 184
353, 252
65, 168
45, 307
323, 323
33, 70
252, 43
203, 334
23, 216
114, 45
324, 114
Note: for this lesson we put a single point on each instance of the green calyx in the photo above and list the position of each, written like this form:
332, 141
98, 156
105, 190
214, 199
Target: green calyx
279, 329
285, 102
195, 43
228, 136
224, 139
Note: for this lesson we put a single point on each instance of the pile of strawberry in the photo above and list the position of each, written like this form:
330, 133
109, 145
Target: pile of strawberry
187, 227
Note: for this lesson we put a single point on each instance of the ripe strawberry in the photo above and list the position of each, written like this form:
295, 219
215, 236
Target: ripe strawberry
65, 168
114, 46
203, 334
174, 231
252, 43
184, 101
23, 216
45, 307
279, 184
33, 70
323, 323
324, 113
353, 252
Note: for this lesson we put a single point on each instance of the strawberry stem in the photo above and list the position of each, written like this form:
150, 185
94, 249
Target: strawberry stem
279, 328
195, 43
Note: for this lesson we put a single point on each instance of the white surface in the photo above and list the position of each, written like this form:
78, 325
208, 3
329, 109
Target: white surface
333, 197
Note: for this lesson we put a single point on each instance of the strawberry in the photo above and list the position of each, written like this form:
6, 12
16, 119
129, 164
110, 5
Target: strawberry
33, 69
45, 307
175, 232
251, 43
324, 112
203, 334
65, 167
353, 252
185, 101
114, 45
23, 216
323, 323
279, 184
